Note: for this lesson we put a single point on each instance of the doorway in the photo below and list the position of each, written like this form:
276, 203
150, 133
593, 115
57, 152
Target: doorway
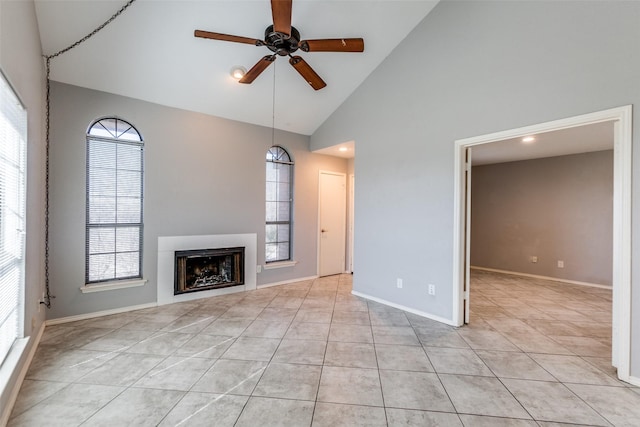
332, 223
621, 119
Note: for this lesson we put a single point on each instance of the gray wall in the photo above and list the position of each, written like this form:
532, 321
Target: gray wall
557, 208
472, 68
203, 175
21, 62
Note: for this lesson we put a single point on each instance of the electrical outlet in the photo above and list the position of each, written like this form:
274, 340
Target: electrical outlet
534, 259
432, 289
399, 283
560, 264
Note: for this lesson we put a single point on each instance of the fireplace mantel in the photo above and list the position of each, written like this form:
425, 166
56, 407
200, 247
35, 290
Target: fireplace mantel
167, 245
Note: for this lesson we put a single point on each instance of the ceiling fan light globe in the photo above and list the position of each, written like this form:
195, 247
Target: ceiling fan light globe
238, 72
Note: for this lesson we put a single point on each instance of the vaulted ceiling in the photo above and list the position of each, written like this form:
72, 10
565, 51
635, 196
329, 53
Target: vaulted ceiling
150, 53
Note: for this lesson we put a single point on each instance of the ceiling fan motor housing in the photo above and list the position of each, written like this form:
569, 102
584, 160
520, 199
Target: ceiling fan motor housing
281, 44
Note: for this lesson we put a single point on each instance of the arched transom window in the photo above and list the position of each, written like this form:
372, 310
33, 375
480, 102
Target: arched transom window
279, 202
114, 201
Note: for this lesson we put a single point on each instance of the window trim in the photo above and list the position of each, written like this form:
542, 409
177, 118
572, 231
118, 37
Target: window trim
114, 282
291, 163
16, 348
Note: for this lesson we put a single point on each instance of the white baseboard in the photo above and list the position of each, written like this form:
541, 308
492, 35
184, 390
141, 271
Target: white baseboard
6, 412
286, 282
634, 381
403, 308
99, 314
535, 276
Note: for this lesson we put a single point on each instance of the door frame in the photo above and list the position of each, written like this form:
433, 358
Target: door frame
622, 164
319, 225
351, 225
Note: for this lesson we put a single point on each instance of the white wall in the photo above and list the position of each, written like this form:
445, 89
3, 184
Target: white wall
21, 62
203, 175
472, 68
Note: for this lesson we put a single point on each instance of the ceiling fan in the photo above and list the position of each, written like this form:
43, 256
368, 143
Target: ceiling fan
283, 39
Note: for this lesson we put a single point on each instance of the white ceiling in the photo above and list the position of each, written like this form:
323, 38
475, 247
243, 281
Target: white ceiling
583, 139
150, 53
346, 150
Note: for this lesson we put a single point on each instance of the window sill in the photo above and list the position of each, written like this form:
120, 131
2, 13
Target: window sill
279, 264
10, 365
110, 286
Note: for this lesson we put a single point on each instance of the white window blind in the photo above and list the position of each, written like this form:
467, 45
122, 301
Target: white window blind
279, 201
13, 146
114, 201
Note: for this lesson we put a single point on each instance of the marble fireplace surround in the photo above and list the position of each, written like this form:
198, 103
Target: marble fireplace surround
167, 245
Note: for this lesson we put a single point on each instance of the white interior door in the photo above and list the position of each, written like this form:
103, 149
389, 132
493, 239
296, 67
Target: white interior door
332, 222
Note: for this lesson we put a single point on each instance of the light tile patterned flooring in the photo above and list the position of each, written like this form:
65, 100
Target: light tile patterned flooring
310, 353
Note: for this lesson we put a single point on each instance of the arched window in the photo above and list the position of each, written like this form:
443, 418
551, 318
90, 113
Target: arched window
279, 200
114, 201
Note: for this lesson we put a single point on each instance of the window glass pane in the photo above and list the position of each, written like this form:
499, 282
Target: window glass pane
127, 264
102, 240
121, 127
129, 183
283, 251
283, 211
129, 157
129, 210
102, 210
271, 193
127, 239
272, 172
271, 211
109, 125
283, 191
102, 154
271, 252
283, 172
271, 233
283, 233
101, 267
102, 182
130, 135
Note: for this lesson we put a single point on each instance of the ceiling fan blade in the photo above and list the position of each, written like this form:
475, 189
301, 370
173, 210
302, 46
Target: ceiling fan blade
257, 69
332, 45
227, 37
307, 72
281, 12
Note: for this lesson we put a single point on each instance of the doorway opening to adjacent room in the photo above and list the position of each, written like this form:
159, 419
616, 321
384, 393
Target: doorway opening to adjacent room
621, 120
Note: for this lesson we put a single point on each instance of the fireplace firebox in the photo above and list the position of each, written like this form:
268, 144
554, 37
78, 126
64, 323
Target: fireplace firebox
205, 269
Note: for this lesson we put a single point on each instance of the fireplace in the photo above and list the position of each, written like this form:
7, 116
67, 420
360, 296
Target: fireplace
206, 269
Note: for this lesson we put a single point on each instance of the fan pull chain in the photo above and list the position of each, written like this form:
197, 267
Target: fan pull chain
273, 108
47, 296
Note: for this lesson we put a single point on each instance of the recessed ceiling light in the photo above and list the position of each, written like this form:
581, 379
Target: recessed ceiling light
343, 149
238, 72
528, 139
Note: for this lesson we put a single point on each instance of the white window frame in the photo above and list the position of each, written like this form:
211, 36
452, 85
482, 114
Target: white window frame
13, 185
276, 155
127, 135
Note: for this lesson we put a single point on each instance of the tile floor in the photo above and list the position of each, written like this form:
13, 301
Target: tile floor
310, 353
